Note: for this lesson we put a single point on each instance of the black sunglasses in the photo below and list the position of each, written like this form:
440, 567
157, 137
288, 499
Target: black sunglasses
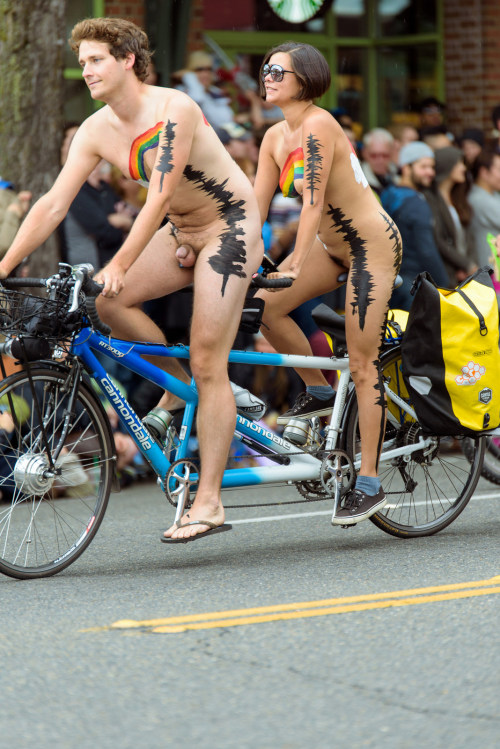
275, 71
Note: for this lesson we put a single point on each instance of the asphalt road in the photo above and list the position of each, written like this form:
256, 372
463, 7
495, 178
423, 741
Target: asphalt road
246, 639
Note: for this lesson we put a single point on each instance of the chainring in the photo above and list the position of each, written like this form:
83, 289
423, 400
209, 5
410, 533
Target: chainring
311, 490
337, 465
178, 480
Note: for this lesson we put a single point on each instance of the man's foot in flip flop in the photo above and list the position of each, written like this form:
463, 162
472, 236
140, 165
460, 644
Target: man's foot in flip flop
190, 527
186, 256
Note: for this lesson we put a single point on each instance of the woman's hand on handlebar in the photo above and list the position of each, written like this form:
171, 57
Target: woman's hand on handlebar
285, 275
112, 278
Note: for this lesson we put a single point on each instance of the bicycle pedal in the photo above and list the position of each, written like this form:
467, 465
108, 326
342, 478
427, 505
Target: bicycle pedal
349, 526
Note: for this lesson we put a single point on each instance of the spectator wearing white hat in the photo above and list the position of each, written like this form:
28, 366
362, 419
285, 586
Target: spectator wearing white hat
198, 82
406, 204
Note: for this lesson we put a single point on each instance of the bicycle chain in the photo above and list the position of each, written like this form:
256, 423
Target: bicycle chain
297, 485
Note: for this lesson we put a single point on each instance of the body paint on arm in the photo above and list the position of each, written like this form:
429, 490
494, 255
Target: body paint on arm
165, 164
314, 162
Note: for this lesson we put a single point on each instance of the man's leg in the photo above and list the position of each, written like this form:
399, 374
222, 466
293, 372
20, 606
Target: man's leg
154, 274
216, 317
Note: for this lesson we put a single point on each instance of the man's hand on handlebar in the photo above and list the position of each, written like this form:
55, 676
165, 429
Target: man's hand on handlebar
112, 278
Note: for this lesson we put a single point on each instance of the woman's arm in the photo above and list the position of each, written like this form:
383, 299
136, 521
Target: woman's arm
318, 144
267, 177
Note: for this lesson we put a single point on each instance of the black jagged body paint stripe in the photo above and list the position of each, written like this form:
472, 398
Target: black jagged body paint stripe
314, 162
165, 164
361, 278
394, 235
231, 257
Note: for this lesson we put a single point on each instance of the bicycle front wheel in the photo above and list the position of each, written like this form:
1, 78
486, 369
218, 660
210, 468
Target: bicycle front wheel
426, 489
49, 514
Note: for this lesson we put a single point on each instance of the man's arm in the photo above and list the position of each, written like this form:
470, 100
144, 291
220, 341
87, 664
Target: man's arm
48, 212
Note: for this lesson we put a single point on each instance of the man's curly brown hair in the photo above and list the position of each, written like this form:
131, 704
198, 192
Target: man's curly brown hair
120, 35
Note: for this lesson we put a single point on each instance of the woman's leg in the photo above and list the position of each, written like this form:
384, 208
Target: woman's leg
366, 311
318, 276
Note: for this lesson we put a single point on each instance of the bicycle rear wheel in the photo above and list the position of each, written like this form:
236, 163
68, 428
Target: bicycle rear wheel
48, 518
427, 489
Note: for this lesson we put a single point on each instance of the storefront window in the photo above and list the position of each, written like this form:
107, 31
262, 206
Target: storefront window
402, 17
258, 15
351, 17
406, 76
350, 83
385, 55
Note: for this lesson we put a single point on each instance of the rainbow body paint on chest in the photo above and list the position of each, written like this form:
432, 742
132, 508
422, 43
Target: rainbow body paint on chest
292, 170
140, 146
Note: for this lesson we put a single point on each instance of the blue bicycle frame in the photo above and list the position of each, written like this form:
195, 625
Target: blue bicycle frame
292, 463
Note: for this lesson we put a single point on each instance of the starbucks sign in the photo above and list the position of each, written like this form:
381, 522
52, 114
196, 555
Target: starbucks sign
297, 11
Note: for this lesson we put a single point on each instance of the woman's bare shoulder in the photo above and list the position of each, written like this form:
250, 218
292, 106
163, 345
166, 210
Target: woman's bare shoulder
318, 117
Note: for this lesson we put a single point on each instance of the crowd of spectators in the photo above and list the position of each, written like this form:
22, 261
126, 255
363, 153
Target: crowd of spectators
441, 188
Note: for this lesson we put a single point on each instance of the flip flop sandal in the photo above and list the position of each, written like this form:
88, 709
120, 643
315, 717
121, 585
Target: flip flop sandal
212, 529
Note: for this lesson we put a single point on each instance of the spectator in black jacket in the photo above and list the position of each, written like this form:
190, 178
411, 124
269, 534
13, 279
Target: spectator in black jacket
97, 222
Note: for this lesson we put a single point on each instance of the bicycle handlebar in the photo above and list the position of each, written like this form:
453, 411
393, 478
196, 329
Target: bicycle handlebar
14, 283
82, 275
263, 282
91, 289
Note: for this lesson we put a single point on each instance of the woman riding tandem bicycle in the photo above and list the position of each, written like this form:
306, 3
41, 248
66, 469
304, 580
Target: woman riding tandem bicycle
342, 227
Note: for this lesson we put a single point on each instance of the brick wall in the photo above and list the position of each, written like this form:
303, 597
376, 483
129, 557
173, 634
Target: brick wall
472, 62
132, 10
195, 37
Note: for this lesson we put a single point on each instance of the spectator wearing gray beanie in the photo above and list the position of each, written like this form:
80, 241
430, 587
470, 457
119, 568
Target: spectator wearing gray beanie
452, 213
406, 204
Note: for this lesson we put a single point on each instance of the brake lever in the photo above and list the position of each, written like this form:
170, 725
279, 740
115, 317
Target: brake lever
80, 273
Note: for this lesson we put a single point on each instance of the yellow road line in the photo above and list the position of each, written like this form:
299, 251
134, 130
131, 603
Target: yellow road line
306, 609
170, 629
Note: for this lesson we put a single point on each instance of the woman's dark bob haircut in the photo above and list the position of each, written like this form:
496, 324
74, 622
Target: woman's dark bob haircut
313, 73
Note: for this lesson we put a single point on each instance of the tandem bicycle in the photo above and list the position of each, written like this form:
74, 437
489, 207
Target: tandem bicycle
56, 412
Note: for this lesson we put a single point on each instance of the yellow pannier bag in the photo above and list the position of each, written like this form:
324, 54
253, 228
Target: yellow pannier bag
451, 357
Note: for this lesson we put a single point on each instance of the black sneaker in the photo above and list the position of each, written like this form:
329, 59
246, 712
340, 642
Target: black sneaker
357, 506
306, 406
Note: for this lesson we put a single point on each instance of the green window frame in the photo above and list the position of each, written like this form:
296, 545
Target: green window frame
330, 44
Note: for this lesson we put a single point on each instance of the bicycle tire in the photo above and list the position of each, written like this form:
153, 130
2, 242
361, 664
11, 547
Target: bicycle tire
47, 522
491, 463
428, 491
